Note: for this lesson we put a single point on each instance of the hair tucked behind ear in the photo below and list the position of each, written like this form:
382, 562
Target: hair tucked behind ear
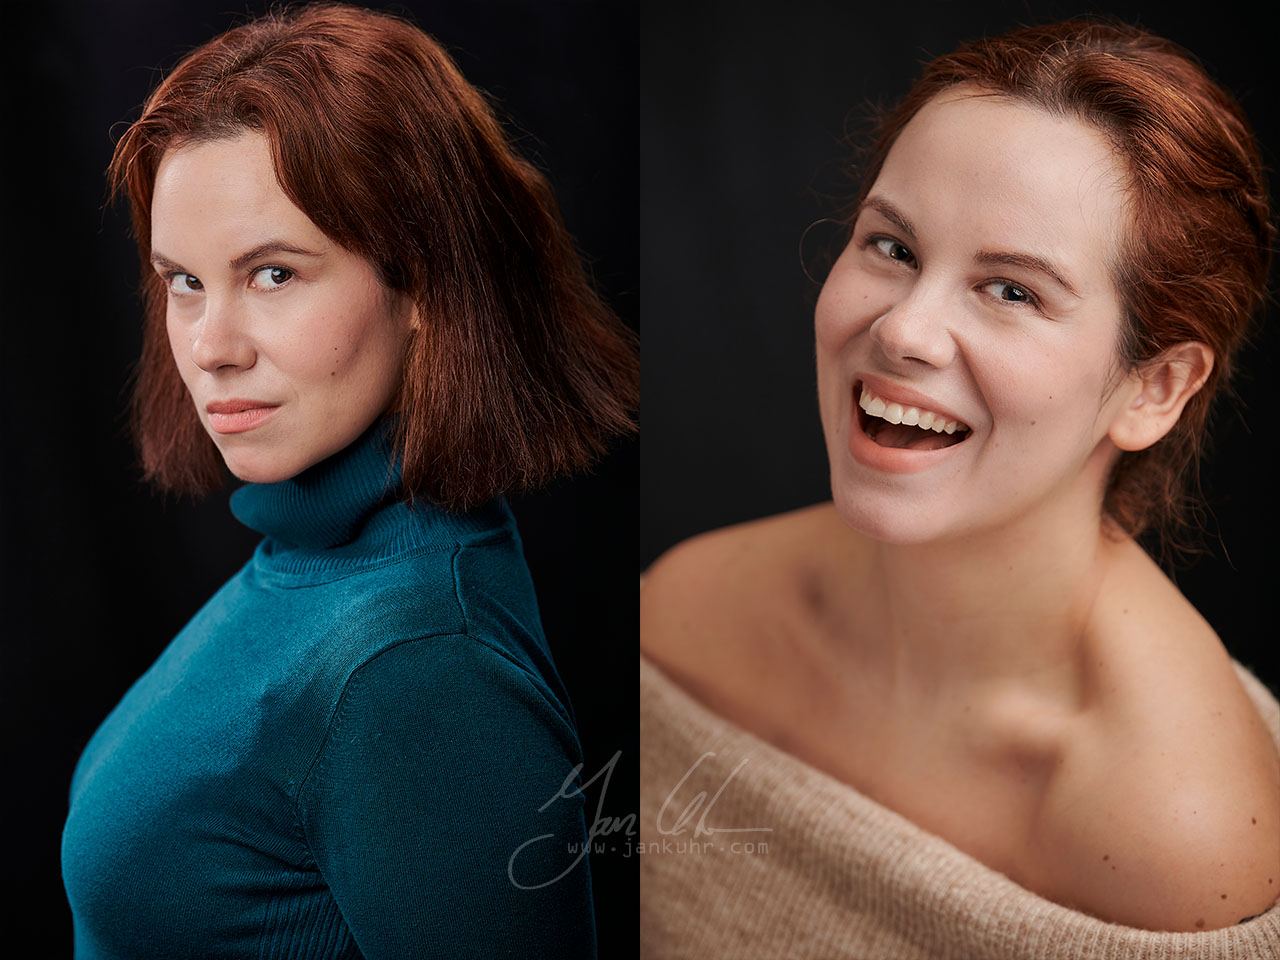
518, 372
1194, 264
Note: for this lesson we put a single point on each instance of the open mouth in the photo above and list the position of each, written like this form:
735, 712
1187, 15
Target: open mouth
891, 424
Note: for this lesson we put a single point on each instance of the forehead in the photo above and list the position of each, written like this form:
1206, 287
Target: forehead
222, 192
1001, 171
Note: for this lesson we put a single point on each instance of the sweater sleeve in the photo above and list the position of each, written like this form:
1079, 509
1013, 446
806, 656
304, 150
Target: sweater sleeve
443, 810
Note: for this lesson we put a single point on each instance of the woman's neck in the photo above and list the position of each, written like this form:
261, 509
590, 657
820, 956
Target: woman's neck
1008, 608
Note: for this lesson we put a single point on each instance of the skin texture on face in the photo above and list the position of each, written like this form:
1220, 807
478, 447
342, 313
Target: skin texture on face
263, 307
978, 278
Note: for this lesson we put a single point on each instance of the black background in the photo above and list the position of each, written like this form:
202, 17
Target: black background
719, 125
745, 116
98, 573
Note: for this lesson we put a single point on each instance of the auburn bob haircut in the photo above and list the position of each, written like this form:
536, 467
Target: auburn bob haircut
518, 372
1194, 264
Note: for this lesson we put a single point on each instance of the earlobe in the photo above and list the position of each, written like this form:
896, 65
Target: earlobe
1157, 392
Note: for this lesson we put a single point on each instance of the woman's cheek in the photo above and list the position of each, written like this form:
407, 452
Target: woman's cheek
840, 313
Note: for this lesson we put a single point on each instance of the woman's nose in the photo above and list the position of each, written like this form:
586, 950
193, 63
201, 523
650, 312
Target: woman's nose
221, 341
915, 330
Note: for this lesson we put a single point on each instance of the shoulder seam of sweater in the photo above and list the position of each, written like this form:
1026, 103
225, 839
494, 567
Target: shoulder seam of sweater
457, 587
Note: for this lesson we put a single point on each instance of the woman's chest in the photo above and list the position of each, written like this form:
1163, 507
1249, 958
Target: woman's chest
980, 792
181, 813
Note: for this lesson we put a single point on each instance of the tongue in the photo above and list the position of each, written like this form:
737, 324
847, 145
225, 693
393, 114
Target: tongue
911, 438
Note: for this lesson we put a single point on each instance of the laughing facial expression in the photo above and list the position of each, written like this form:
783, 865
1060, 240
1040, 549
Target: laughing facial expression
289, 344
967, 336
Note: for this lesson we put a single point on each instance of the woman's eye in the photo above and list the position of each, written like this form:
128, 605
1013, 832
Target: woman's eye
184, 283
893, 249
1011, 292
270, 278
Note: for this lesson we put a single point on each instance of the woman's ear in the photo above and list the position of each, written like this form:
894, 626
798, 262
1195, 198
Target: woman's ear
409, 311
1157, 391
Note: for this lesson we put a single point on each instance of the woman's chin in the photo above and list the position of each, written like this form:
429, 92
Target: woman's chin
256, 470
885, 519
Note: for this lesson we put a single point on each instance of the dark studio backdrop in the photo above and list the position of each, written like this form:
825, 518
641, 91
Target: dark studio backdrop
99, 574
745, 109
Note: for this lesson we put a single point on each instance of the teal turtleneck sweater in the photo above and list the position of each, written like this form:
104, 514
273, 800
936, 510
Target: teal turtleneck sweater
359, 747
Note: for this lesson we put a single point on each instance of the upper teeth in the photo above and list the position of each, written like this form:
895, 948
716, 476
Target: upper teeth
909, 416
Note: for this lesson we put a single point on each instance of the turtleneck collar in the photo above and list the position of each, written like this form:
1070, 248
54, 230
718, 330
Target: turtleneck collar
349, 511
326, 505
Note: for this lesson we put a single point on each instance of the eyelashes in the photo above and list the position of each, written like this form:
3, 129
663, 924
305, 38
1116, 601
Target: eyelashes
268, 279
192, 284
1021, 293
1013, 294
888, 247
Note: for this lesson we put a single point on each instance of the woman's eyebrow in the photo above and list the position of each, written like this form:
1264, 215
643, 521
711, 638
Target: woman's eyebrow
1028, 261
261, 250
890, 213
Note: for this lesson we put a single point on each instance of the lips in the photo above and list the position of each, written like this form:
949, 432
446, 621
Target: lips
237, 406
904, 431
239, 416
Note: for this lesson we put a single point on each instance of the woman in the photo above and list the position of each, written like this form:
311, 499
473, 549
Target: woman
363, 303
958, 711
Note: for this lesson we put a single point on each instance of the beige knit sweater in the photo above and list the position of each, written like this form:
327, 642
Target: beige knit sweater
837, 875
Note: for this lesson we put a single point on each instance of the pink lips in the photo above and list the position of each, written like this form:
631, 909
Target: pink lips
237, 416
888, 459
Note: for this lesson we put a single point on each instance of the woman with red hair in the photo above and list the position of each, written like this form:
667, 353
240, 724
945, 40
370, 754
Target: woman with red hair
362, 302
958, 711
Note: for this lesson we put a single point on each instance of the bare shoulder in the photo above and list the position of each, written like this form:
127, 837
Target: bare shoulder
718, 608
1165, 811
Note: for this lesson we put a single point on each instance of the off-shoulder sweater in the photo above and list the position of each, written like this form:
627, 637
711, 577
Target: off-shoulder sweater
802, 865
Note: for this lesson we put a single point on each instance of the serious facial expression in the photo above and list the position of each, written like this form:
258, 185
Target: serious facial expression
289, 344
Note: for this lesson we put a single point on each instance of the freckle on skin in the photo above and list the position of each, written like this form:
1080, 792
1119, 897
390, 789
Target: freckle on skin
1255, 821
1200, 923
1106, 856
1224, 896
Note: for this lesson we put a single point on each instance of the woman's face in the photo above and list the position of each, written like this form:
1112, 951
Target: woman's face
289, 345
976, 287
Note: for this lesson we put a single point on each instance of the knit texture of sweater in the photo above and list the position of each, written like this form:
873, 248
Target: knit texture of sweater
359, 747
748, 853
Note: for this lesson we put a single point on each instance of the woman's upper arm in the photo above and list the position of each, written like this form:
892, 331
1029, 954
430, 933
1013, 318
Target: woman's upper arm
442, 809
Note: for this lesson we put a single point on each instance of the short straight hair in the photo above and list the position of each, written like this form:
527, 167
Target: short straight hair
518, 373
